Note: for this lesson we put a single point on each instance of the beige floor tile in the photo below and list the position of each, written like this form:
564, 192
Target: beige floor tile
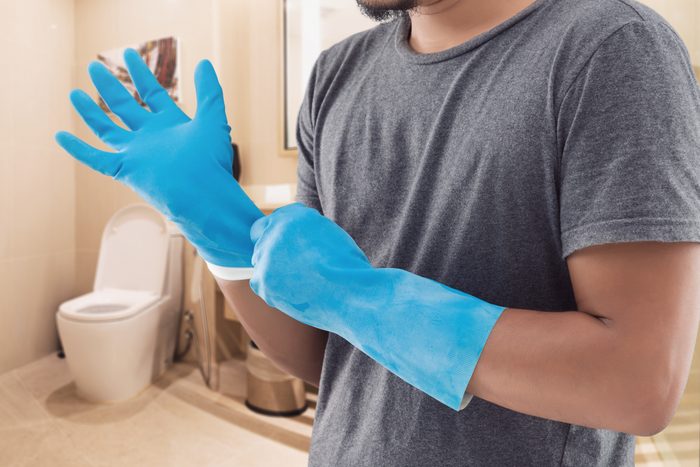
45, 376
295, 432
234, 425
41, 445
266, 456
65, 406
105, 434
156, 428
145, 434
18, 409
166, 449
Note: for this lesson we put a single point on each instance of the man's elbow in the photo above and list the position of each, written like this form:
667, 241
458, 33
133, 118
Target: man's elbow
654, 406
651, 422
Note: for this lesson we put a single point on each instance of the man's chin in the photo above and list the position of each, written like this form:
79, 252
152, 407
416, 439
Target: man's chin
384, 10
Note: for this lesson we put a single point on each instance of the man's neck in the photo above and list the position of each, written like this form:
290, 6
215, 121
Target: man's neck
443, 24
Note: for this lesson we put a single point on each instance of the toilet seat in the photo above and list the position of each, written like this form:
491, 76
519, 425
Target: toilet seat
130, 268
107, 305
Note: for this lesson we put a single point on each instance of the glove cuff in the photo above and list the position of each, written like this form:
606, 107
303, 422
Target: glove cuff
466, 399
230, 274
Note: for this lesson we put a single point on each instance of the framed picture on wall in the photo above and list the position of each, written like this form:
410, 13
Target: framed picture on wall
161, 56
309, 27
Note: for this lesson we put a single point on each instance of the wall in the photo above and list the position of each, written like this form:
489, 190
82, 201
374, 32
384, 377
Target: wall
37, 185
49, 205
242, 39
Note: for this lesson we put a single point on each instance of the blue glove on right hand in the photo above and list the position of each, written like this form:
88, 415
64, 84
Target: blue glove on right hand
181, 166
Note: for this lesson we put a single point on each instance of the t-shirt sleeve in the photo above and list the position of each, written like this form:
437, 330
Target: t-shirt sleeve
307, 193
629, 136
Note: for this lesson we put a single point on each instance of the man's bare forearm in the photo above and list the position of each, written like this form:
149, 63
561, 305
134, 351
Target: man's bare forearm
622, 361
294, 347
576, 368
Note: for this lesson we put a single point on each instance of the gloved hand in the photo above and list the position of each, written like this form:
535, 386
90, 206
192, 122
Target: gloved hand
426, 333
179, 165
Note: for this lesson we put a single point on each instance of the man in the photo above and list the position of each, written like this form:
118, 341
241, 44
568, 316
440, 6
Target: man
542, 156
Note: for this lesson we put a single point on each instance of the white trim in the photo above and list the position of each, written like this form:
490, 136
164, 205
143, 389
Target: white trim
230, 274
466, 399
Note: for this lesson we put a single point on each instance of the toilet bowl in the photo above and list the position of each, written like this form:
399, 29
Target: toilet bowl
121, 336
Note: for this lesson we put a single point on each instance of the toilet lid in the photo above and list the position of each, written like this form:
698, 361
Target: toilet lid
133, 252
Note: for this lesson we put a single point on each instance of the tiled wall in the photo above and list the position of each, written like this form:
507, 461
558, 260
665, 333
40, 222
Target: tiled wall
37, 181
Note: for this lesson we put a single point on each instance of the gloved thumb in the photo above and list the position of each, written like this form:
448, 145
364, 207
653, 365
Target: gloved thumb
258, 227
210, 97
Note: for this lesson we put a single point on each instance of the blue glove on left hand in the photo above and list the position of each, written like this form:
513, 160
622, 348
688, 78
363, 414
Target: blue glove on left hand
426, 333
182, 166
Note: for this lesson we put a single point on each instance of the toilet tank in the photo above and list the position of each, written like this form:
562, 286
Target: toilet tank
134, 251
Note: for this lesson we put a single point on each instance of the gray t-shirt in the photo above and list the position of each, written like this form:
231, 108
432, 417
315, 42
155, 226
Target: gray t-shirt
574, 123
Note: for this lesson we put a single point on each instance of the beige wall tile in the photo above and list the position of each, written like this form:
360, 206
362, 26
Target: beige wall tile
85, 264
93, 207
250, 44
34, 287
37, 183
30, 225
8, 319
41, 70
7, 196
61, 186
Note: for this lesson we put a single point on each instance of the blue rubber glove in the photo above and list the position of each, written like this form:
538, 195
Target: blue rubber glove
426, 333
181, 166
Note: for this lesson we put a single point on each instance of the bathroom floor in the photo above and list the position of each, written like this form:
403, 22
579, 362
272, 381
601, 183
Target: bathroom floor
176, 422
179, 422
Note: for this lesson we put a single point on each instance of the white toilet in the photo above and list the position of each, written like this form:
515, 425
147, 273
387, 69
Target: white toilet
121, 336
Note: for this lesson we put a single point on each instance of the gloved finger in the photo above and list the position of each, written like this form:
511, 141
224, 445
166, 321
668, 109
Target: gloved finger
98, 121
210, 97
146, 84
119, 100
107, 163
258, 227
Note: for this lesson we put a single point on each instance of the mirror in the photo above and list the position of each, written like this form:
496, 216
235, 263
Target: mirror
311, 26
